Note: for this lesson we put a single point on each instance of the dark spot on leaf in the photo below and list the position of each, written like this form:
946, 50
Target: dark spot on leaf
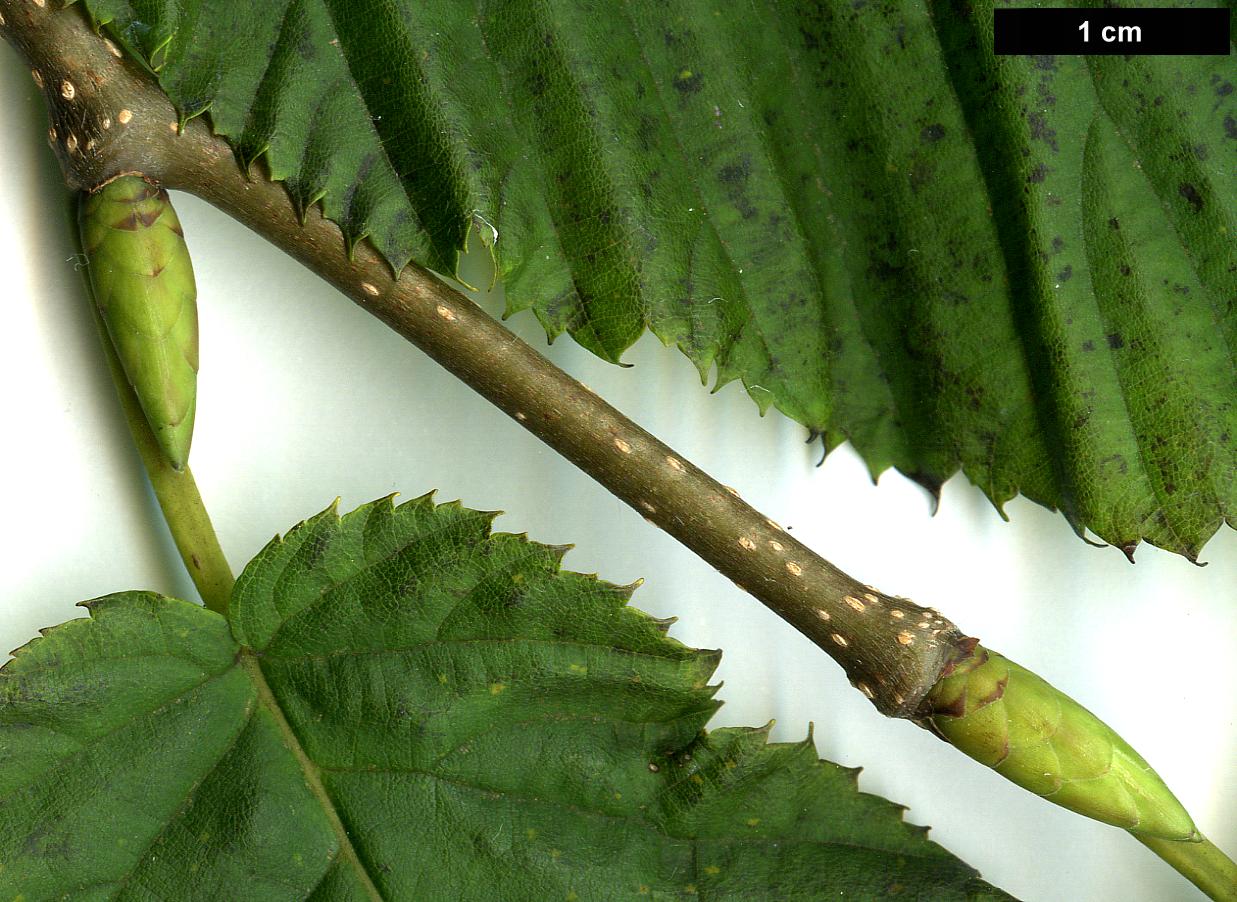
1230, 127
736, 173
1225, 89
1125, 269
1114, 223
316, 549
931, 133
1116, 460
975, 395
1088, 345
1115, 341
645, 131
1190, 193
1038, 174
1065, 274
1041, 131
1045, 63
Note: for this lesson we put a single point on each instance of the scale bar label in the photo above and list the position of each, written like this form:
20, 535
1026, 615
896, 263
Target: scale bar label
1126, 32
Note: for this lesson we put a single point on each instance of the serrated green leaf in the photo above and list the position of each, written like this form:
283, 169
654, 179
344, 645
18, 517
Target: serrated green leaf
1024, 268
409, 707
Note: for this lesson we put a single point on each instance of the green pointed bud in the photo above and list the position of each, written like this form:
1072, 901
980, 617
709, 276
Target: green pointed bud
1006, 717
143, 285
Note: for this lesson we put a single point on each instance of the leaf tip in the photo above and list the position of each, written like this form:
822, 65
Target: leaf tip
629, 589
663, 624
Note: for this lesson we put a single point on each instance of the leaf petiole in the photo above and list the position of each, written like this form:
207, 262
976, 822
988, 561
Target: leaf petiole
1202, 863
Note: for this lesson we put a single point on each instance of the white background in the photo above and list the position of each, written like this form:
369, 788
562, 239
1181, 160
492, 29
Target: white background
304, 397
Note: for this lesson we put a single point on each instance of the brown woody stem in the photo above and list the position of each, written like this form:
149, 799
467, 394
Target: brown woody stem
115, 120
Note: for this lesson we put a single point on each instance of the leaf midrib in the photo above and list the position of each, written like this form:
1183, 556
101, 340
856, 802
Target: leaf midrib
313, 775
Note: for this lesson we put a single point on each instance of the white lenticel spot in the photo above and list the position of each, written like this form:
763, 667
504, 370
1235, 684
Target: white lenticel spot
370, 289
521, 416
897, 614
70, 143
445, 313
823, 615
865, 689
795, 569
676, 464
37, 76
51, 134
112, 48
67, 91
107, 122
906, 637
747, 543
854, 603
648, 507
839, 639
124, 117
622, 446
872, 599
776, 546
